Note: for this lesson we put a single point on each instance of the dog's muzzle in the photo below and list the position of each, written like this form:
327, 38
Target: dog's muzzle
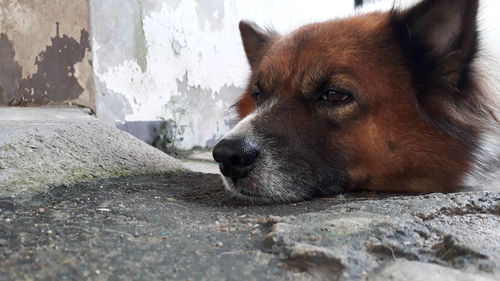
236, 157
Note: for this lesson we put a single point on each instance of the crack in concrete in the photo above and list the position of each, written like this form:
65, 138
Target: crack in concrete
298, 244
472, 207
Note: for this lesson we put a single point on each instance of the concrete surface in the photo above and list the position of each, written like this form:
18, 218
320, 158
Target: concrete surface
201, 166
200, 160
40, 147
185, 227
72, 209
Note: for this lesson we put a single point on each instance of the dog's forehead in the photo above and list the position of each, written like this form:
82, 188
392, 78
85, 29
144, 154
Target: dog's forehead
317, 50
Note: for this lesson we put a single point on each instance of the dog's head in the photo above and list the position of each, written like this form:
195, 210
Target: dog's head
367, 102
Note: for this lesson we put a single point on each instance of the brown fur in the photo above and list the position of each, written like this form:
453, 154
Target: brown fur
417, 113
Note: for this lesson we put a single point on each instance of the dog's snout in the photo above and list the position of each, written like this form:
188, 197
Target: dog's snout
236, 156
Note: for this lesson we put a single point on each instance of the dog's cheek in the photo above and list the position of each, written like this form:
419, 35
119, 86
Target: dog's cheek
310, 170
313, 165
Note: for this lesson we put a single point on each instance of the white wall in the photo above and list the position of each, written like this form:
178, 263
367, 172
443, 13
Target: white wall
149, 52
490, 27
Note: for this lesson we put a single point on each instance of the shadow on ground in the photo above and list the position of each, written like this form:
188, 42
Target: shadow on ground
143, 228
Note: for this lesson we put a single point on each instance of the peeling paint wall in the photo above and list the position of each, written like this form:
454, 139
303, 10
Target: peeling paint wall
45, 53
150, 53
131, 60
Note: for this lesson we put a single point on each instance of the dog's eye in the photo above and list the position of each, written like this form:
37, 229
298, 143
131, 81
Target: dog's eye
335, 96
257, 96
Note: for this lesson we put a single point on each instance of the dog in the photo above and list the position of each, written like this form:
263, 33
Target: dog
391, 101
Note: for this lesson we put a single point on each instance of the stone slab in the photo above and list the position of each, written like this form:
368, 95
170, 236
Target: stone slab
42, 147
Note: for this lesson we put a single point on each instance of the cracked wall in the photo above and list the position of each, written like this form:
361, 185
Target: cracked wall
45, 53
155, 52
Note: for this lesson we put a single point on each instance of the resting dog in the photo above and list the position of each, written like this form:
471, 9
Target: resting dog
392, 101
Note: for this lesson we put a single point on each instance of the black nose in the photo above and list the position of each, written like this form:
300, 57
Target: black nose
236, 156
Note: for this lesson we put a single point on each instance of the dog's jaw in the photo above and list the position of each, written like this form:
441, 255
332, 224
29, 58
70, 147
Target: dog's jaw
268, 186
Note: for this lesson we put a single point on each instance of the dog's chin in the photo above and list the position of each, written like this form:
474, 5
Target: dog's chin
245, 189
251, 190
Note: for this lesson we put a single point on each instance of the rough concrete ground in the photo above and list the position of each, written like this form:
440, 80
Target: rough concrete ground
200, 160
184, 226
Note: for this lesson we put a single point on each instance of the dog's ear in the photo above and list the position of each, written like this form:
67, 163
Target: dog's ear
440, 37
255, 41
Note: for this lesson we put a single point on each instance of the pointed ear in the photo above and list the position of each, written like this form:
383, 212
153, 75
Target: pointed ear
255, 41
441, 35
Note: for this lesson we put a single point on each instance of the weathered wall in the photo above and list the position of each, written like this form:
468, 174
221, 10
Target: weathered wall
150, 53
45, 53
